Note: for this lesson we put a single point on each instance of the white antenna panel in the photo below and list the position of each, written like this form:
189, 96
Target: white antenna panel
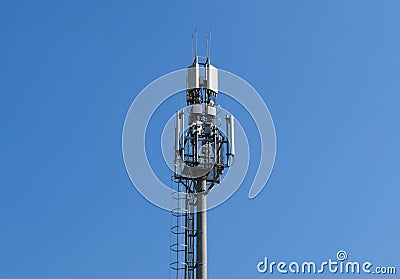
193, 77
212, 78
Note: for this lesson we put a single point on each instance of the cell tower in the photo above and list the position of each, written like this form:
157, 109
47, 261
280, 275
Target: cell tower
202, 152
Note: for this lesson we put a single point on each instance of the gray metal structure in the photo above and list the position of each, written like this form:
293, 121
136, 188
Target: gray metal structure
202, 152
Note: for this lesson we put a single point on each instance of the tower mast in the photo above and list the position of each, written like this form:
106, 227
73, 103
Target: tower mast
202, 152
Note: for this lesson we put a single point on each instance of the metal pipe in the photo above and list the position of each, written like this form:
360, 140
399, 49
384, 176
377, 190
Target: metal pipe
177, 132
230, 131
232, 135
201, 253
182, 117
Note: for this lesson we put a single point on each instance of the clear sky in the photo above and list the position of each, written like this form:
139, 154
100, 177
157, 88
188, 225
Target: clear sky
328, 71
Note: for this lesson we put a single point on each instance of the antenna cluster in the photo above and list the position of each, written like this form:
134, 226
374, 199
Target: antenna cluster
194, 45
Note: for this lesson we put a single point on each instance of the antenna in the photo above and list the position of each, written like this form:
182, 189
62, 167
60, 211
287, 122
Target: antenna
208, 49
209, 46
193, 53
195, 43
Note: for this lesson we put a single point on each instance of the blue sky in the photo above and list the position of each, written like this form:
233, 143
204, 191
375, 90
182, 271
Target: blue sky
328, 71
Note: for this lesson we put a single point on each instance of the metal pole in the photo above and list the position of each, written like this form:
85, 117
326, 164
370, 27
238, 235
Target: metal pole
201, 270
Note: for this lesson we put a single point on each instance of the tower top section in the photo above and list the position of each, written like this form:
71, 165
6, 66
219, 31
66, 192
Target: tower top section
202, 77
